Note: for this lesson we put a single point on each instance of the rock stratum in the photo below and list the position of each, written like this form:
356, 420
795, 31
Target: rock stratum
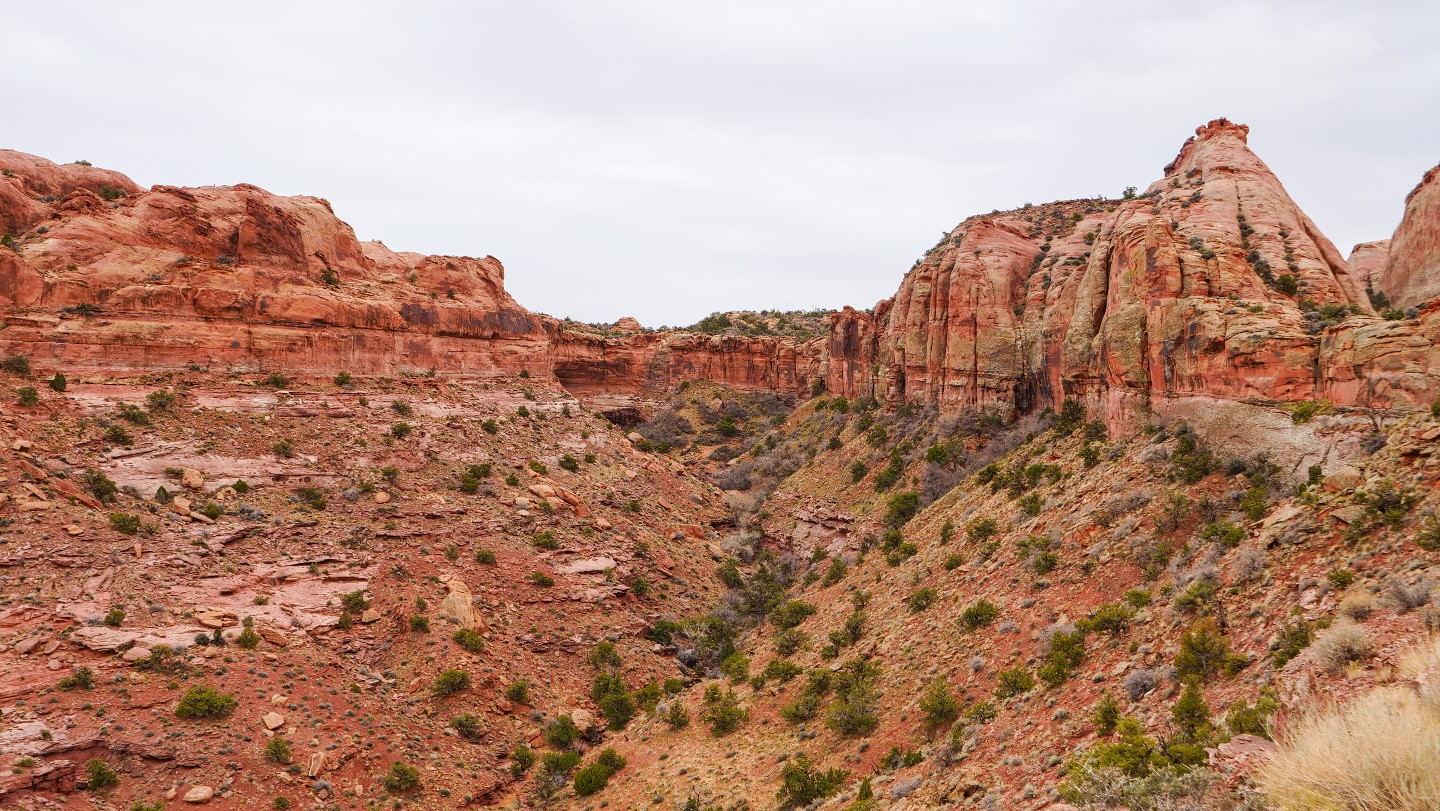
1211, 284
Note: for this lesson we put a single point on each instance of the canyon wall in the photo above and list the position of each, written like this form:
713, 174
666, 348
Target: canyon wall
1411, 275
236, 277
1211, 284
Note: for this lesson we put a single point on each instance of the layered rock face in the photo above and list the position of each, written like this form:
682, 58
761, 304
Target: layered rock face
646, 363
1411, 276
1212, 283
236, 276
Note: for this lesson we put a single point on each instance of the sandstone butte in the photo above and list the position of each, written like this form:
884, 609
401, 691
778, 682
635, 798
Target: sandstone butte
1209, 288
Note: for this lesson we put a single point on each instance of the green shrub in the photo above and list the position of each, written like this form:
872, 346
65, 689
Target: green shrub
354, 601
789, 641
1204, 652
485, 557
1387, 504
1070, 417
781, 670
541, 579
1105, 714
677, 716
1067, 650
470, 478
468, 727
982, 529
978, 614
1191, 461
18, 365
1303, 412
100, 486
114, 617
939, 704
1032, 503
613, 700
920, 600
901, 508
1255, 501
81, 678
791, 613
736, 667
204, 702
521, 759
277, 750
859, 469
125, 523
723, 711
1013, 682
99, 776
1136, 772
248, 638
116, 434
518, 691
561, 732
802, 783
58, 383
1294, 636
593, 778
419, 624
1250, 719
1191, 717
981, 712
469, 640
401, 778
1223, 532
450, 682
1138, 598
605, 656
569, 463
400, 430
854, 711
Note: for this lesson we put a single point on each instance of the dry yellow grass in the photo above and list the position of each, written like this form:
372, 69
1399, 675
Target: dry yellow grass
1380, 752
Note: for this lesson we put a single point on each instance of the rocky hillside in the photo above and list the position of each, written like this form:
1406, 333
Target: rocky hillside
1091, 513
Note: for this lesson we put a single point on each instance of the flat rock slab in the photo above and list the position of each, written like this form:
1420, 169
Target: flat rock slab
595, 565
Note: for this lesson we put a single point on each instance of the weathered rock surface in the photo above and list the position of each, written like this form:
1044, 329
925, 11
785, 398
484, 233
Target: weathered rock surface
1412, 270
1181, 292
1210, 284
238, 276
1367, 261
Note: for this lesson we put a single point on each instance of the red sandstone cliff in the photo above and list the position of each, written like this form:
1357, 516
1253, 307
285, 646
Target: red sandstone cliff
1411, 276
1212, 285
645, 363
236, 276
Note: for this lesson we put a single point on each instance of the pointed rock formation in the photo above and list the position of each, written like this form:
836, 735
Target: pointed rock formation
1211, 284
1411, 277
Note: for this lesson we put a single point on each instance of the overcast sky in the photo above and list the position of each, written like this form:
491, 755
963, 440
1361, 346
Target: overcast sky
665, 159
